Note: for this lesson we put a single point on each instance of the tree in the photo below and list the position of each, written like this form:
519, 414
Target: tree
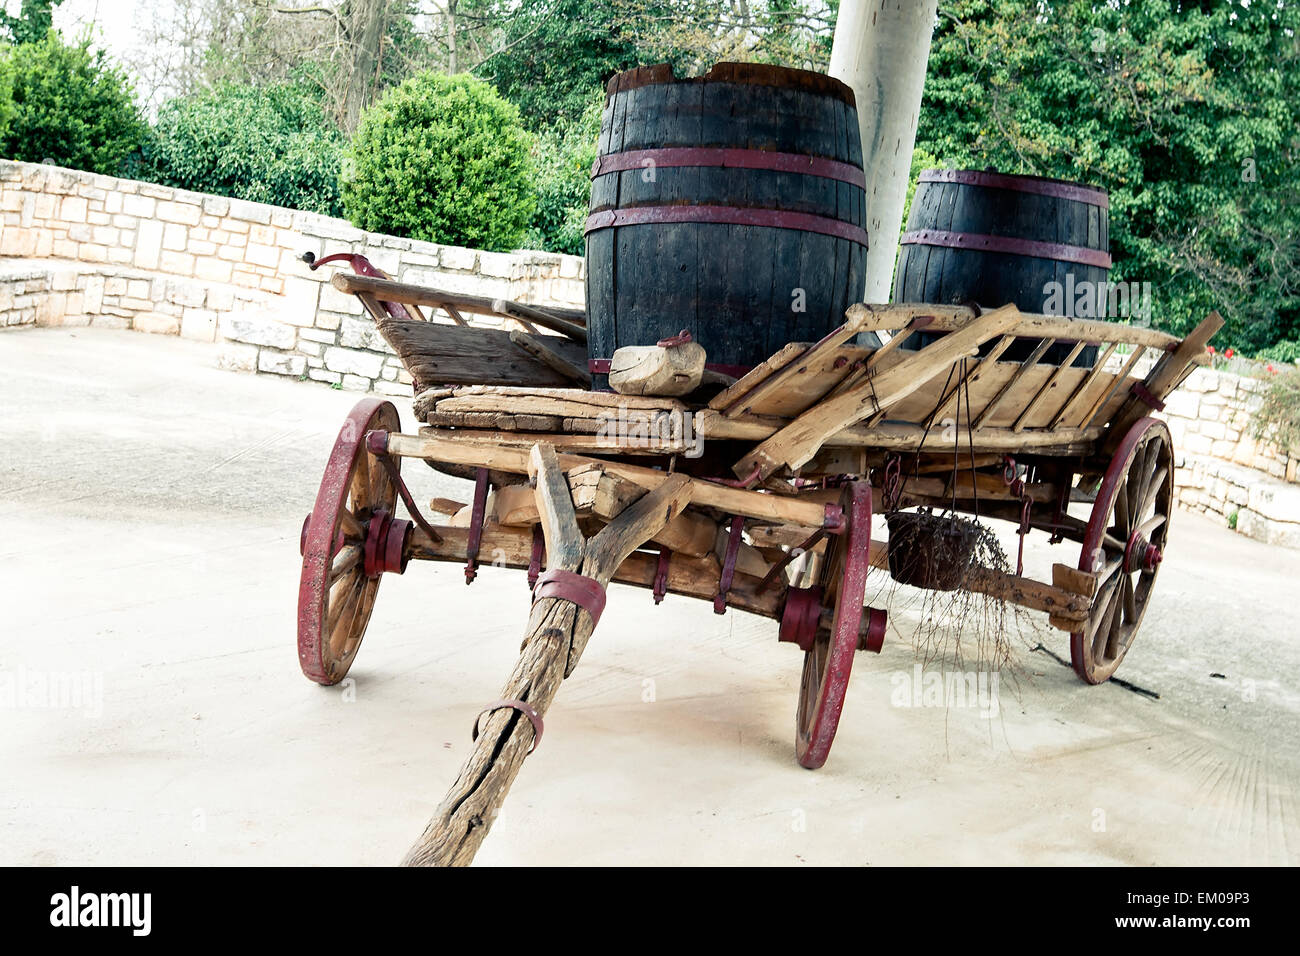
35, 19
564, 154
445, 159
70, 106
272, 144
1185, 112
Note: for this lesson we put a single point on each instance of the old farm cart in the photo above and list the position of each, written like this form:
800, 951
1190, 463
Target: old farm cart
798, 456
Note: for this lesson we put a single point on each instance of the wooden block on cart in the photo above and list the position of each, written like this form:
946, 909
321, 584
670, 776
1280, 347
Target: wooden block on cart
656, 369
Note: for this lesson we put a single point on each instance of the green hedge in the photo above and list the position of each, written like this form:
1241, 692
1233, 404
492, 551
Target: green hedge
444, 159
69, 106
269, 144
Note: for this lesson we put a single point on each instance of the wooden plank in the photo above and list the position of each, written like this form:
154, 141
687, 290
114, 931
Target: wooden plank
580, 444
755, 376
894, 436
813, 364
1050, 384
437, 354
951, 318
1029, 363
1096, 413
794, 445
1097, 370
548, 354
1164, 377
736, 501
570, 322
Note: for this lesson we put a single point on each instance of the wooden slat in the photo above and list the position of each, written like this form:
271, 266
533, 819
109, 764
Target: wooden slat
950, 318
1042, 393
1029, 363
785, 382
1103, 400
571, 322
794, 445
981, 364
1084, 385
438, 354
1165, 376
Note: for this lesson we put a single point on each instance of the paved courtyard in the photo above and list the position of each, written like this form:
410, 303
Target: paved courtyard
150, 510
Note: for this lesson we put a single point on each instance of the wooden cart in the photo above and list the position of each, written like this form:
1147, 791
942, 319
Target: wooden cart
715, 499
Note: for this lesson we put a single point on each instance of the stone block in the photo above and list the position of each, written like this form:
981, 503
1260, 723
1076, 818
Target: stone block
281, 363
353, 362
199, 324
157, 323
237, 358
258, 330
177, 212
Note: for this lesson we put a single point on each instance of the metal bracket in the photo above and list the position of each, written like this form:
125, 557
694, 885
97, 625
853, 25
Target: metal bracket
729, 565
477, 514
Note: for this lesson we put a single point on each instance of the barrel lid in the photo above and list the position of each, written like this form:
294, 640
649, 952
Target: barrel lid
1040, 185
756, 74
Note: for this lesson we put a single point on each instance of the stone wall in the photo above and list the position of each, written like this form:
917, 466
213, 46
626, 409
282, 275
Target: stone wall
81, 249
1221, 469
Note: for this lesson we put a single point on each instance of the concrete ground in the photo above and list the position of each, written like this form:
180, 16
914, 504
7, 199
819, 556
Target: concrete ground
150, 512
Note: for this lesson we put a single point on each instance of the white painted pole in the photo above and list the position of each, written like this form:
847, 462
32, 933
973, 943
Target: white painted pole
880, 49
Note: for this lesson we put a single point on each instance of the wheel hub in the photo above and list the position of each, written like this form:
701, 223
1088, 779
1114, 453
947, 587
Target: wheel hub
385, 548
1140, 554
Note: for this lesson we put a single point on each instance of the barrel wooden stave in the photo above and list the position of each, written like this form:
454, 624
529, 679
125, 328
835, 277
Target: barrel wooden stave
945, 275
732, 285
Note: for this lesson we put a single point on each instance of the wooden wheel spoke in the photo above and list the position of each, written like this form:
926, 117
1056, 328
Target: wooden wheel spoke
1153, 489
363, 498
339, 624
1150, 526
1122, 516
1109, 602
1130, 598
351, 526
344, 561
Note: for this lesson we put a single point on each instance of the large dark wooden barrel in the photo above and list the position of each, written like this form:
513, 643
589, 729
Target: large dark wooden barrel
731, 205
991, 238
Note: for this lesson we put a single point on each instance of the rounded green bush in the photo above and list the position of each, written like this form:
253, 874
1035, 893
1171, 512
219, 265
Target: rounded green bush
445, 159
269, 144
69, 106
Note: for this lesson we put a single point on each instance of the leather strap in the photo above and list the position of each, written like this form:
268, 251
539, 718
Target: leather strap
587, 593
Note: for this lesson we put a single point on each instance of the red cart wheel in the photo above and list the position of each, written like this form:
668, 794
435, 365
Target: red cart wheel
1125, 542
348, 540
827, 663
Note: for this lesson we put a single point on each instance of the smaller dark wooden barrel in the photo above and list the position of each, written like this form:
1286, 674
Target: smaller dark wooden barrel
990, 238
732, 205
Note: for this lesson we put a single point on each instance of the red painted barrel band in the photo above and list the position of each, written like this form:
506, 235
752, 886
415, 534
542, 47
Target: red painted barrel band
728, 158
726, 215
601, 367
1019, 247
1020, 184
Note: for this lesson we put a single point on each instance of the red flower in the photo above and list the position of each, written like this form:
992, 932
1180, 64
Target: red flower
1271, 369
1210, 349
1227, 353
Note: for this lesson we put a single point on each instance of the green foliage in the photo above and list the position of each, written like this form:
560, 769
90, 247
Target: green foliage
564, 155
552, 54
1277, 419
445, 159
1288, 352
1187, 114
34, 20
1232, 518
70, 106
272, 145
